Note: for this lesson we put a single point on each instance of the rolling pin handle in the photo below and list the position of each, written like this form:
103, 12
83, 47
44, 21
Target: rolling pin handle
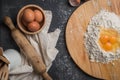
46, 76
8, 22
25, 46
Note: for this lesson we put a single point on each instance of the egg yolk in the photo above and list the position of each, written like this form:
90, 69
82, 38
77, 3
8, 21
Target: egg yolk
108, 46
113, 40
108, 39
104, 39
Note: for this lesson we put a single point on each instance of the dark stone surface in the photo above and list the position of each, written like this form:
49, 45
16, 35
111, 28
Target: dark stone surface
63, 67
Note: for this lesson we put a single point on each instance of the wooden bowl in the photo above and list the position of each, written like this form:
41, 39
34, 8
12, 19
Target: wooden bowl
20, 24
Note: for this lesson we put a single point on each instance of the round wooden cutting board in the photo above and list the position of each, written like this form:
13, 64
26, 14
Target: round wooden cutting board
75, 29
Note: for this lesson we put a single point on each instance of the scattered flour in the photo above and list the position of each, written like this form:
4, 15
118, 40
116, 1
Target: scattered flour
107, 20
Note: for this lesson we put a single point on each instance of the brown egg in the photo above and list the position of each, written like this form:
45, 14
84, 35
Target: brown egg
28, 15
24, 23
33, 26
38, 15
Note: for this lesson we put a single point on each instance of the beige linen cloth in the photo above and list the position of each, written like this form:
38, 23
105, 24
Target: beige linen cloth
48, 42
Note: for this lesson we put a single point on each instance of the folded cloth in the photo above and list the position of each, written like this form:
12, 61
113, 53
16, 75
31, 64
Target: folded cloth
44, 43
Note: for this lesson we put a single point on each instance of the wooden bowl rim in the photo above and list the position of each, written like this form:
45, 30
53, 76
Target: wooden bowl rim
19, 18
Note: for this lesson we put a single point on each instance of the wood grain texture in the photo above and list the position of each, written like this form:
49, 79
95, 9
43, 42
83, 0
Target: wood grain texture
75, 29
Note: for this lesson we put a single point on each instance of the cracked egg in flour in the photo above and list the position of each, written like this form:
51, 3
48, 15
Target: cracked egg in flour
109, 39
102, 37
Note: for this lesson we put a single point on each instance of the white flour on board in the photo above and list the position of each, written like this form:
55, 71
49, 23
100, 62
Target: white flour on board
96, 53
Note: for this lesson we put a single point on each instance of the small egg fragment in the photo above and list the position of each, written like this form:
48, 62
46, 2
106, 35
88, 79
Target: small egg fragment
33, 26
28, 15
38, 15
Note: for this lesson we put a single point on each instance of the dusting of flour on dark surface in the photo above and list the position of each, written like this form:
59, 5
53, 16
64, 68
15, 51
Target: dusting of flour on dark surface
63, 67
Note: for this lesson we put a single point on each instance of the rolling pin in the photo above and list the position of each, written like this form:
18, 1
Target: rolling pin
28, 49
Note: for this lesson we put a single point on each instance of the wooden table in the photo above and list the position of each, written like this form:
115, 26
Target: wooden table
63, 67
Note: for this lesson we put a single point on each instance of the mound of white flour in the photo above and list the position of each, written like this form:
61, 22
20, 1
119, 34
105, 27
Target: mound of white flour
107, 20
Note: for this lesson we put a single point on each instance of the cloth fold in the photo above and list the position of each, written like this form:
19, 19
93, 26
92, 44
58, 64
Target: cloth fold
44, 43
